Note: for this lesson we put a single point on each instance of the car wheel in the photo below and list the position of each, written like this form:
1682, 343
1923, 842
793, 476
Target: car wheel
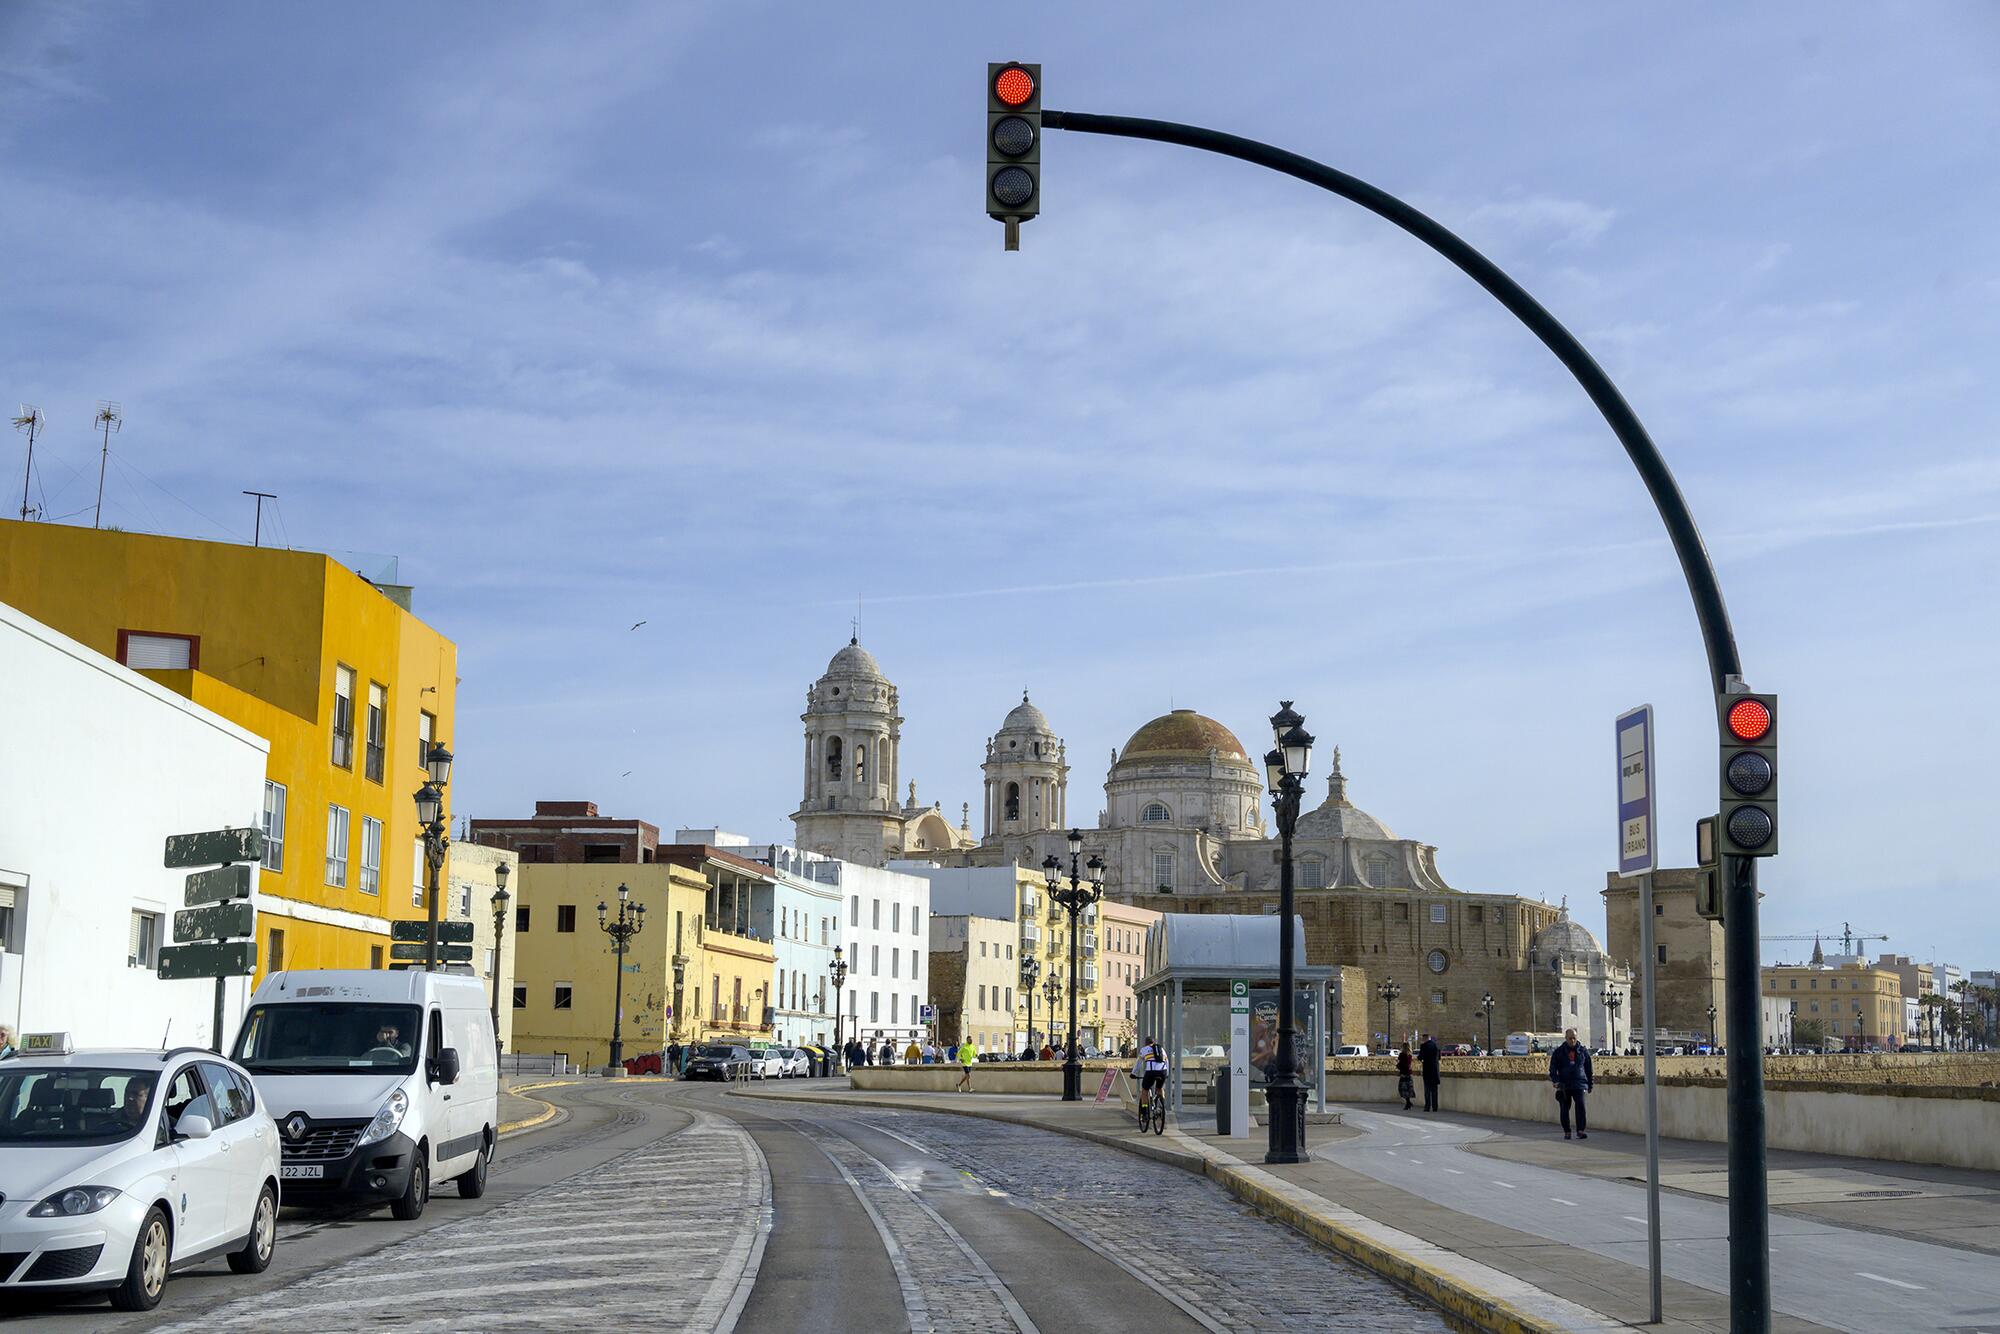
146, 1275
472, 1182
255, 1255
410, 1204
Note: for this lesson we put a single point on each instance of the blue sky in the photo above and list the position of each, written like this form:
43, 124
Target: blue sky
692, 316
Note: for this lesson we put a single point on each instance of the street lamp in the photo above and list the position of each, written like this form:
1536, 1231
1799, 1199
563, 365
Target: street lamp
1031, 973
1086, 887
1052, 992
1388, 991
630, 921
430, 816
1486, 1003
1614, 1002
1711, 1028
837, 974
1285, 771
500, 896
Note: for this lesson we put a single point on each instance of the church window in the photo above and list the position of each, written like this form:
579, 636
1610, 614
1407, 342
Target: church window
1155, 813
1312, 873
1163, 870
1013, 801
833, 758
1437, 913
1663, 954
861, 762
1378, 872
1475, 915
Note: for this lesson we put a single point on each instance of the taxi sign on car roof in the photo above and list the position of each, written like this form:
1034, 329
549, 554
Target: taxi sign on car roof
46, 1044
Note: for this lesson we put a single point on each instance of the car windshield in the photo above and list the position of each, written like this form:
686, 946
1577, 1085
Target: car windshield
74, 1105
330, 1037
722, 1053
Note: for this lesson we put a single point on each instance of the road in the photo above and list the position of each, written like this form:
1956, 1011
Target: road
1839, 1277
660, 1205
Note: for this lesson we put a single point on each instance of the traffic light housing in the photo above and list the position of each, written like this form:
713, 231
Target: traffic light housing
1708, 869
1013, 145
1747, 824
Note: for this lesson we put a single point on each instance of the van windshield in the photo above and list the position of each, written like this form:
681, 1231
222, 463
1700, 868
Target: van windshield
330, 1038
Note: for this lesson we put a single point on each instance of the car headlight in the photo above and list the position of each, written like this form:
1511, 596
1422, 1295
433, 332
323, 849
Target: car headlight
388, 1119
74, 1201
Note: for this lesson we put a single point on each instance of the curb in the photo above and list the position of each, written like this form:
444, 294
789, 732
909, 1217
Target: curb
548, 1113
1297, 1209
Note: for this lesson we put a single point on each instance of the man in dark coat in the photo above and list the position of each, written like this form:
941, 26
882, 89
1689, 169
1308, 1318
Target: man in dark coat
1428, 1057
1569, 1071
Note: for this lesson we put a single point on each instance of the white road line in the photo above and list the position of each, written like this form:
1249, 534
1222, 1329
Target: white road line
1630, 1219
1416, 1162
1454, 1171
1897, 1282
884, 1130
915, 1310
1560, 1200
1504, 1185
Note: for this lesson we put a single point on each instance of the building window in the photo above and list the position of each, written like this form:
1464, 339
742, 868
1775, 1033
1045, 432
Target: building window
1402, 912
854, 916
521, 920
982, 998
520, 995
1437, 914
1010, 999
274, 826
274, 950
336, 845
1663, 954
376, 738
913, 921
371, 855
1475, 915
563, 993
1572, 1005
1013, 811
1377, 872
419, 862
1437, 998
895, 917
861, 762
167, 653
1659, 910
601, 852
875, 961
426, 730
895, 963
343, 717
895, 1005
875, 921
375, 956
1163, 872
833, 758
1312, 873
1156, 813
565, 917
874, 1007
142, 944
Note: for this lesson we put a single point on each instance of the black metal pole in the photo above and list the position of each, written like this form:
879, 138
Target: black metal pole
618, 989
498, 914
1281, 1083
1072, 1066
432, 856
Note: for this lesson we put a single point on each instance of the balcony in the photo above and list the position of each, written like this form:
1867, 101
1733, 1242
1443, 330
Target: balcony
1030, 934
1090, 975
1030, 902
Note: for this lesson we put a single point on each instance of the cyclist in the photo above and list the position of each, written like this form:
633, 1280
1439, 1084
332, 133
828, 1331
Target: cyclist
1151, 1067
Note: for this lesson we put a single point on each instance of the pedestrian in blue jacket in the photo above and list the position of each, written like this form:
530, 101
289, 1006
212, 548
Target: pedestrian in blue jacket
1569, 1071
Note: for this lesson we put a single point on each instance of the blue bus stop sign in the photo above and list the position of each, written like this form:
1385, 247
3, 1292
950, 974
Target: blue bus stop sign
1637, 850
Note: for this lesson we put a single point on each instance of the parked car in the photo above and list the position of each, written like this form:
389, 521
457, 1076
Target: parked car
795, 1063
1351, 1049
1207, 1051
1465, 1049
718, 1060
120, 1167
767, 1063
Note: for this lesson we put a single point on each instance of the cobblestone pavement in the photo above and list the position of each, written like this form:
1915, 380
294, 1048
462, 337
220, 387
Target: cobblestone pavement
588, 1250
1179, 1234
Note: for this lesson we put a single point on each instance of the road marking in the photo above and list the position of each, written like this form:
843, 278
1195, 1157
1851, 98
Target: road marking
1416, 1162
1504, 1185
1628, 1218
884, 1130
1913, 1287
1559, 1200
1454, 1171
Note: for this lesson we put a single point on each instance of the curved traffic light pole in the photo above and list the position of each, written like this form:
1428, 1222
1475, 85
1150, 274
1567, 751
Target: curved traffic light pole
1749, 1250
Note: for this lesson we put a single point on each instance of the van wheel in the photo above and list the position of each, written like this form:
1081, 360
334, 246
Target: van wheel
472, 1181
255, 1255
410, 1204
146, 1275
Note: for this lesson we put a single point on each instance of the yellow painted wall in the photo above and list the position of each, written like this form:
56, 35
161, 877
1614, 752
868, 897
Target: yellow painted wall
728, 960
272, 627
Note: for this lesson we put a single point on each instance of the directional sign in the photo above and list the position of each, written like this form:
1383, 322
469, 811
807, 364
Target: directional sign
220, 885
461, 932
1637, 853
236, 958
217, 922
414, 951
215, 847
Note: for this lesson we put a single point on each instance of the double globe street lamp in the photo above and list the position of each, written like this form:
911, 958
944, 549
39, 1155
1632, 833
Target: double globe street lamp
1614, 1001
630, 921
1711, 1028
1388, 991
1486, 1004
837, 974
1052, 993
430, 816
1285, 771
1031, 973
500, 897
1086, 887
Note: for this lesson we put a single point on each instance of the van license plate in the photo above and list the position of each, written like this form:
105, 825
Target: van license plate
302, 1171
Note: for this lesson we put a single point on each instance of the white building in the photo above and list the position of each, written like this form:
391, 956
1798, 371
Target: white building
802, 922
102, 766
886, 936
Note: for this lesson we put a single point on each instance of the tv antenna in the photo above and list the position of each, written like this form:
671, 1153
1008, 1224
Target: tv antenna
257, 533
110, 417
31, 421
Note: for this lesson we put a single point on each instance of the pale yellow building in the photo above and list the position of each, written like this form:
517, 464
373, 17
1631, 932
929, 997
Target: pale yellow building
974, 975
474, 878
1856, 1005
1121, 954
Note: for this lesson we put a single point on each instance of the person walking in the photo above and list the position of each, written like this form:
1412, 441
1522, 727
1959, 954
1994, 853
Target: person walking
1569, 1071
966, 1059
1428, 1056
1404, 1087
674, 1058
888, 1052
914, 1053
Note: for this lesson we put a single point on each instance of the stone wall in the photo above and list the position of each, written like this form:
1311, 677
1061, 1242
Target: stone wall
1691, 978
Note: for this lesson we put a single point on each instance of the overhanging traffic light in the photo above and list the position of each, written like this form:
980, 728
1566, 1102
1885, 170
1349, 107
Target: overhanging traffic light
1747, 824
1013, 145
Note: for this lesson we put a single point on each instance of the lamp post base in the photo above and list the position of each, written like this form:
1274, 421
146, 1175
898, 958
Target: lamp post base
1287, 1106
1072, 1082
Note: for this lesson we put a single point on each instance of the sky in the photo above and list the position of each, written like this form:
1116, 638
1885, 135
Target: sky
692, 316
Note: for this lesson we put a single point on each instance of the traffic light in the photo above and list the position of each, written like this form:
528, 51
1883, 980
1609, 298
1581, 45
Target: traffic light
1013, 145
1708, 870
1748, 821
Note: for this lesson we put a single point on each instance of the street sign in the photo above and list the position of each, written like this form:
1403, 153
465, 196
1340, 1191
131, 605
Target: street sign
1239, 1059
215, 847
217, 922
220, 885
457, 932
1104, 1086
1637, 853
927, 1014
235, 958
414, 951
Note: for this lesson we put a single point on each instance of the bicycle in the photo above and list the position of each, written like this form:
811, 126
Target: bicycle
1153, 1111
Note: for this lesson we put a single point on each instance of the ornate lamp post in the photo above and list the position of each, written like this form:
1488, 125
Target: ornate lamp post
1031, 973
1486, 1004
1388, 991
837, 974
430, 817
1086, 887
500, 896
680, 963
1614, 1002
1285, 771
1052, 993
630, 921
1711, 1028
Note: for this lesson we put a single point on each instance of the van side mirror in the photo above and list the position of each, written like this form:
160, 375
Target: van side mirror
194, 1126
447, 1065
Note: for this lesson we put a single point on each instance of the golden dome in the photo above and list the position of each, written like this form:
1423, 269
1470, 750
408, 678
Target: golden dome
1182, 732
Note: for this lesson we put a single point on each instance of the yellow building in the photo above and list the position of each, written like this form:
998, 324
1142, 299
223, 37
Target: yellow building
1049, 942
734, 1004
346, 685
1856, 1005
564, 975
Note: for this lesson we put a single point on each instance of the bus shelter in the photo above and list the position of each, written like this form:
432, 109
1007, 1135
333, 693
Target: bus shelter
1183, 1000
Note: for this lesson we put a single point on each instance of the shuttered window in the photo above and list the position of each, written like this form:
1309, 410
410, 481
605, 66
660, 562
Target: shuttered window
158, 652
377, 735
142, 942
274, 825
371, 855
343, 717
336, 845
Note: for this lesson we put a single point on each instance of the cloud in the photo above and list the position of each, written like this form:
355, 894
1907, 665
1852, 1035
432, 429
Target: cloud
1556, 222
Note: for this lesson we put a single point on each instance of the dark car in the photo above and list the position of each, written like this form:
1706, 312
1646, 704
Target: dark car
718, 1060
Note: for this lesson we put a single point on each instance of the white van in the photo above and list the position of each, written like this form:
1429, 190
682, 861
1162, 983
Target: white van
381, 1082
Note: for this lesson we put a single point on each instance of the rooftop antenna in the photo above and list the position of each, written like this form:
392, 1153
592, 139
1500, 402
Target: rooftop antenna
257, 533
31, 421
110, 417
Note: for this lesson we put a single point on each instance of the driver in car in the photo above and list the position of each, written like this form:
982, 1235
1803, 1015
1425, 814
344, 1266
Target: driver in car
138, 1104
388, 1035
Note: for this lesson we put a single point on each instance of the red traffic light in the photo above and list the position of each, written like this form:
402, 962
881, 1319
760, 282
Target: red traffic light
1749, 720
1014, 86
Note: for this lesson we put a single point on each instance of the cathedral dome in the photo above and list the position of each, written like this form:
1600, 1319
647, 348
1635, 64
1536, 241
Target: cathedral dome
1570, 939
1025, 717
854, 660
1182, 732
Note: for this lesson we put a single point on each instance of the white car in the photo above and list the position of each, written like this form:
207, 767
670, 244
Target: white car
797, 1064
1351, 1049
768, 1063
119, 1167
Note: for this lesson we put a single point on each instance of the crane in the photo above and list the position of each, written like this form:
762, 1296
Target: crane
1849, 937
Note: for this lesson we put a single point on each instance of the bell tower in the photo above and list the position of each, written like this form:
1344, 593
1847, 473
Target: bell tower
1027, 777
853, 733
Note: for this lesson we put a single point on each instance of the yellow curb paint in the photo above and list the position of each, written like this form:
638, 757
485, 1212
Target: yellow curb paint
548, 1111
